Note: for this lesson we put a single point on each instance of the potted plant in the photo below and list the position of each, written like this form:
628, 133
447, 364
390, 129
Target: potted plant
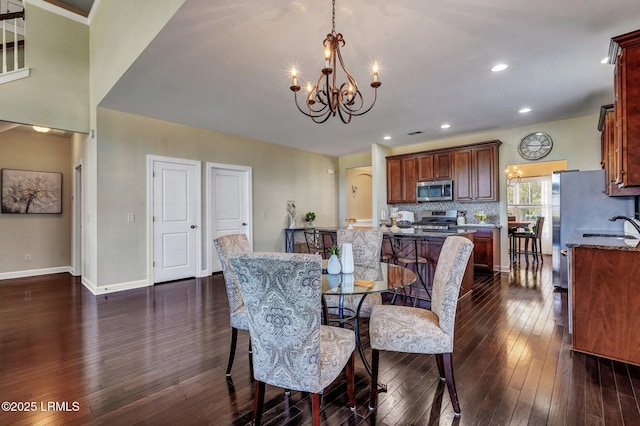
333, 267
309, 218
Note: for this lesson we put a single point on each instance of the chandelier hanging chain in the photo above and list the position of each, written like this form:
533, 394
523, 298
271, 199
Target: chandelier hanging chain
327, 97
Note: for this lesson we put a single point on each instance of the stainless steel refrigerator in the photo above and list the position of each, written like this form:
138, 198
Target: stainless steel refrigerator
580, 203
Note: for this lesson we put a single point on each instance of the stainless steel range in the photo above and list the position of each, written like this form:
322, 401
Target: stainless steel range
437, 220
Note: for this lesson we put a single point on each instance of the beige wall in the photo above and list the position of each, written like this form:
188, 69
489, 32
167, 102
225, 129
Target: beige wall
279, 174
56, 94
359, 187
46, 237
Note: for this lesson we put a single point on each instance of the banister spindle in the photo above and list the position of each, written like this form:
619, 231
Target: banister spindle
4, 47
15, 44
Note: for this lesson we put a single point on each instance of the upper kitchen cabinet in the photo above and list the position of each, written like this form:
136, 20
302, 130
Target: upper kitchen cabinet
624, 52
434, 166
402, 175
610, 154
475, 172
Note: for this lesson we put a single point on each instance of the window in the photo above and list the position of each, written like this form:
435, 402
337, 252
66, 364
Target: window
524, 200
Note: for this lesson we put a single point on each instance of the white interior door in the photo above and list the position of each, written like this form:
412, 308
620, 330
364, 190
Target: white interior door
229, 204
175, 219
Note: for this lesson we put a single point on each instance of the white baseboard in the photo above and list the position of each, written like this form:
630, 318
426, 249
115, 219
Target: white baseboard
112, 288
34, 272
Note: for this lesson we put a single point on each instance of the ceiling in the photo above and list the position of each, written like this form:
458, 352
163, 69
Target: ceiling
223, 65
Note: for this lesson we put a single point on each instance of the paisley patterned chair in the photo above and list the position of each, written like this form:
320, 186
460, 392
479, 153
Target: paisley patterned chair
366, 245
227, 246
416, 330
291, 348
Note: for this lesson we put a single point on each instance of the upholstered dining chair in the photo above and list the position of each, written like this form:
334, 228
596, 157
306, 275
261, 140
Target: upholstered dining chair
366, 245
227, 246
291, 347
416, 330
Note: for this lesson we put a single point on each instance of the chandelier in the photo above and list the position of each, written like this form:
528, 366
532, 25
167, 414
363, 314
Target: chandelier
513, 176
328, 97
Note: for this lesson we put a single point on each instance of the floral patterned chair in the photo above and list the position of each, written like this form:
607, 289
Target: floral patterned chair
227, 246
416, 330
291, 347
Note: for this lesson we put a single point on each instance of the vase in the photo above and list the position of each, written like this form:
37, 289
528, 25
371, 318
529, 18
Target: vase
310, 224
347, 258
333, 267
292, 222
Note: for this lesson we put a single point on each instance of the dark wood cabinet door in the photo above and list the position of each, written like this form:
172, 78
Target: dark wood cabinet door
462, 175
409, 179
483, 249
394, 181
627, 107
442, 166
425, 167
484, 170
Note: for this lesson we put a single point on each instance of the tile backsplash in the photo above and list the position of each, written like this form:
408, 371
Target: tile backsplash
491, 209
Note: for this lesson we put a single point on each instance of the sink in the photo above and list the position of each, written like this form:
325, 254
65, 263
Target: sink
621, 236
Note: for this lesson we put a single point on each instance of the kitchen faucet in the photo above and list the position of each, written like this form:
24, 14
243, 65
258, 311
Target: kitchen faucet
631, 221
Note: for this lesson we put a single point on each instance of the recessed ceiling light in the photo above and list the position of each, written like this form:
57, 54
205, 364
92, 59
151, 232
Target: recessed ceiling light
499, 67
445, 126
41, 129
386, 138
525, 110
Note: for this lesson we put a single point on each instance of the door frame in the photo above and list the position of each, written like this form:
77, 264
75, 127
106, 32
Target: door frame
209, 206
151, 159
76, 228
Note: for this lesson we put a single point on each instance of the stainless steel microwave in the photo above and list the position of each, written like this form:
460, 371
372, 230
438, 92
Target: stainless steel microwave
440, 190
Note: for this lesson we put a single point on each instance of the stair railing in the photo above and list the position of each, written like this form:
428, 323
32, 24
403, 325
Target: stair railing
11, 20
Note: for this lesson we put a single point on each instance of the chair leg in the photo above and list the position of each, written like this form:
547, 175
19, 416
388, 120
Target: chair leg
315, 408
351, 394
258, 403
375, 361
451, 384
232, 350
440, 364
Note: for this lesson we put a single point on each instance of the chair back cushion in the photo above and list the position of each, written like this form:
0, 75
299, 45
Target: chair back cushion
282, 296
366, 244
227, 246
447, 279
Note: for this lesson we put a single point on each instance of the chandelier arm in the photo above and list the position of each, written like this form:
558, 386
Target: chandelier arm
314, 113
375, 97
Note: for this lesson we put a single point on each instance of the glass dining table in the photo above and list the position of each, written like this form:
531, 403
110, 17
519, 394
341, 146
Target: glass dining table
385, 277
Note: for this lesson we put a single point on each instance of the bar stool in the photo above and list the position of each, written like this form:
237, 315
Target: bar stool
533, 236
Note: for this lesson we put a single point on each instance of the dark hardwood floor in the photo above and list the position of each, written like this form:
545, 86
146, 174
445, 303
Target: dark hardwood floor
157, 356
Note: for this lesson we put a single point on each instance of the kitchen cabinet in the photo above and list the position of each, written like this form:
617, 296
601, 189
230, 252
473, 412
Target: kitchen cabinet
475, 172
483, 249
436, 166
402, 175
610, 152
624, 52
605, 306
473, 169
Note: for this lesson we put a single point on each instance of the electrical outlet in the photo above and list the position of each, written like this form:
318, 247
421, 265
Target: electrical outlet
27, 258
131, 217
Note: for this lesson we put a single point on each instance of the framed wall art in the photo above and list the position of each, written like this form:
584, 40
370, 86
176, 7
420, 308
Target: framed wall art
31, 192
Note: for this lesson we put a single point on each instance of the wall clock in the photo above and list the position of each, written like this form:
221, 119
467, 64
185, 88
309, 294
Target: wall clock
535, 146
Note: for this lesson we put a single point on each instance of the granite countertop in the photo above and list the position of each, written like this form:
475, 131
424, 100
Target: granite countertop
479, 225
430, 233
600, 241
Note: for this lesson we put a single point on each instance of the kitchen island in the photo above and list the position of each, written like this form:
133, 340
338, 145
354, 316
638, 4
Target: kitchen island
604, 296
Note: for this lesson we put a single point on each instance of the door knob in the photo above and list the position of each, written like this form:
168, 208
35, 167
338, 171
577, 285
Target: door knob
244, 224
193, 226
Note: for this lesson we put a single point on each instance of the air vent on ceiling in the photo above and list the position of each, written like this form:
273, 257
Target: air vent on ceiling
415, 133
